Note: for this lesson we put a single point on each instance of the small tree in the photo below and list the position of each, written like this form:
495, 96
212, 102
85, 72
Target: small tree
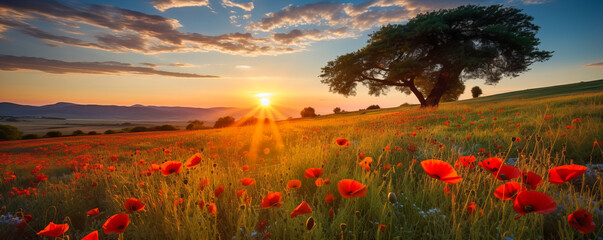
194, 125
92, 133
110, 132
8, 132
52, 134
224, 122
337, 110
476, 91
30, 136
308, 112
371, 107
78, 133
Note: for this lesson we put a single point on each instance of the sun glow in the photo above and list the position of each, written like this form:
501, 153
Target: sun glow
264, 101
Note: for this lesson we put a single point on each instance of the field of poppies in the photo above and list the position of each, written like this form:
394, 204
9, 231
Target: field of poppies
516, 169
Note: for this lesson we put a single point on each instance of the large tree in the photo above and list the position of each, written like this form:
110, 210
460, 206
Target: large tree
435, 52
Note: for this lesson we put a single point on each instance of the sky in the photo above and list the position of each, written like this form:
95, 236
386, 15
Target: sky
222, 53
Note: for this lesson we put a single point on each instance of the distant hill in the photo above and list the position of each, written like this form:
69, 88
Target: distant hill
544, 92
112, 112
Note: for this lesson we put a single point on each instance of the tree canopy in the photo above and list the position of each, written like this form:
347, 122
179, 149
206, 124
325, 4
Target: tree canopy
476, 91
308, 112
435, 52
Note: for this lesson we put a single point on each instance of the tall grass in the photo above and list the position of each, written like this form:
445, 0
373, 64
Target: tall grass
422, 211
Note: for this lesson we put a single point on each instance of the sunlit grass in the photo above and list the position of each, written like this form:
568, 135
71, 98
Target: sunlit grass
423, 210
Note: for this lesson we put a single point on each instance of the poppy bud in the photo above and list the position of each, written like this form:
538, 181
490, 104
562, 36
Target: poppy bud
310, 223
392, 197
357, 213
342, 226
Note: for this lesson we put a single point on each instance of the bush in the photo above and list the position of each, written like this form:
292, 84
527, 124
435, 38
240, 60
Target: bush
164, 128
308, 112
92, 133
78, 133
30, 136
136, 129
52, 134
337, 110
476, 91
371, 107
8, 132
224, 122
194, 125
110, 132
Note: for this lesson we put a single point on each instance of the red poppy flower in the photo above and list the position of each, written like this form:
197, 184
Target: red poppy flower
211, 208
170, 167
91, 236
329, 198
446, 189
382, 227
506, 172
508, 190
530, 179
92, 212
193, 161
313, 172
261, 225
218, 191
41, 178
471, 207
343, 142
303, 208
247, 181
116, 223
441, 170
154, 167
582, 220
133, 205
318, 182
272, 200
366, 163
54, 230
203, 183
491, 164
561, 174
467, 161
533, 202
349, 188
240, 192
245, 168
293, 184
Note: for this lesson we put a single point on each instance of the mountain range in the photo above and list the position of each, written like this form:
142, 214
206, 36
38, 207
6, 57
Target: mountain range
112, 112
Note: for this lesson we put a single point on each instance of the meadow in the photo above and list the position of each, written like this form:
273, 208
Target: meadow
231, 189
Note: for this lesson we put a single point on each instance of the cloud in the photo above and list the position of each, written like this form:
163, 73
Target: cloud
177, 64
360, 16
126, 30
248, 6
244, 67
304, 37
595, 64
313, 13
163, 5
19, 63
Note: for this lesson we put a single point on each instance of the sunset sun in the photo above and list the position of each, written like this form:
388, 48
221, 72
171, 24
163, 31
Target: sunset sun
264, 101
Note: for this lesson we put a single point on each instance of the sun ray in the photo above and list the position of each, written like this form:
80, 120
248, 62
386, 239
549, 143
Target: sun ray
279, 140
257, 136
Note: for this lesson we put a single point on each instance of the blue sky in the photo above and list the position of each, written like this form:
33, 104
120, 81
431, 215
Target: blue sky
207, 53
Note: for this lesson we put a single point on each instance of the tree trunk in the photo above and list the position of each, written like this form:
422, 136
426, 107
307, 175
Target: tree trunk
433, 100
417, 93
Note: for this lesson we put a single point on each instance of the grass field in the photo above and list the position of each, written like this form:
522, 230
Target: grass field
533, 130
